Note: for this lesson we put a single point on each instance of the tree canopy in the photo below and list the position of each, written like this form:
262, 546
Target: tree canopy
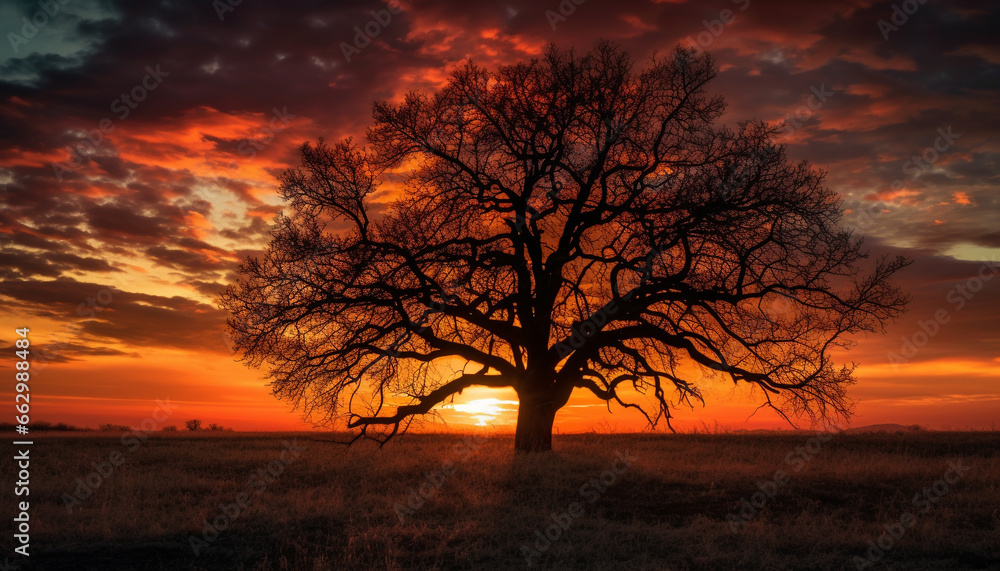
569, 222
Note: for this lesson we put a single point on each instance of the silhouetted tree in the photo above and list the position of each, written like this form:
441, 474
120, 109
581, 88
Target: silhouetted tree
567, 223
193, 424
45, 426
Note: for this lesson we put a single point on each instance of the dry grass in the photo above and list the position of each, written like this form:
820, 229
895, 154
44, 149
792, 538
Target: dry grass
333, 509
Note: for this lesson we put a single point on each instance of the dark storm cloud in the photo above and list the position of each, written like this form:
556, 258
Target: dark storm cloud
209, 289
99, 314
188, 261
16, 264
194, 326
57, 297
26, 254
256, 228
66, 352
889, 99
26, 240
121, 221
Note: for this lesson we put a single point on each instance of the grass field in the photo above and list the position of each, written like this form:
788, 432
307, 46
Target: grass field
674, 503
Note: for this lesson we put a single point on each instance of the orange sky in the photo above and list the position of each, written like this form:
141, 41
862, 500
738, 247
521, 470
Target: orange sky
168, 202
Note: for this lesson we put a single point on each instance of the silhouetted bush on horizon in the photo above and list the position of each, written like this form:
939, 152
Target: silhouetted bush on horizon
43, 426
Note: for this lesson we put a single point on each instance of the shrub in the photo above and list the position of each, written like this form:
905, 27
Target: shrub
108, 427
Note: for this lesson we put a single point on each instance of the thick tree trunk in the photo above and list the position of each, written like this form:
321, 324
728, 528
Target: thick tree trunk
534, 424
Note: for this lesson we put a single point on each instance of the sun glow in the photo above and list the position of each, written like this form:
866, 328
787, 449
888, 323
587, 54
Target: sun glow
483, 411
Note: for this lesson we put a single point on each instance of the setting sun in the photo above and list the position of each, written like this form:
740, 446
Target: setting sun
485, 411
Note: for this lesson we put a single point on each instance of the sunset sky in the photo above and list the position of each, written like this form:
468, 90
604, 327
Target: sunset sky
142, 141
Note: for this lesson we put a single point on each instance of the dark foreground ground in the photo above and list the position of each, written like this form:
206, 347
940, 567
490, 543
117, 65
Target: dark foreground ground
841, 503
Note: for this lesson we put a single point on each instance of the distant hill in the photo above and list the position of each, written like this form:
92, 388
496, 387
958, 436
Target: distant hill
889, 428
42, 426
